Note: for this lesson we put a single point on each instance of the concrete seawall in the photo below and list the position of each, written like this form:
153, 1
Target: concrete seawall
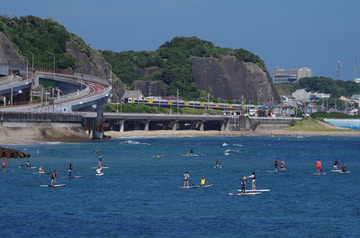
17, 128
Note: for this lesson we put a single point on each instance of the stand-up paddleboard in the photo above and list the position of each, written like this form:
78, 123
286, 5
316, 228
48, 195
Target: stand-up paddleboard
41, 172
336, 170
244, 194
206, 185
256, 190
53, 185
344, 172
97, 167
318, 174
99, 174
191, 186
272, 171
217, 167
71, 177
24, 167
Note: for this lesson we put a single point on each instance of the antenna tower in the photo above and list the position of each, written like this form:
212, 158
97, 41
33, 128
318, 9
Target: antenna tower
339, 70
356, 67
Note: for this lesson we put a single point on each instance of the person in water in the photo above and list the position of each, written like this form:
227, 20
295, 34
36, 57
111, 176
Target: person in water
186, 179
53, 177
217, 164
318, 166
343, 168
70, 168
27, 164
203, 181
336, 163
253, 181
243, 185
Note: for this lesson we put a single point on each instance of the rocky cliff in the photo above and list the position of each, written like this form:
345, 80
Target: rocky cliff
230, 79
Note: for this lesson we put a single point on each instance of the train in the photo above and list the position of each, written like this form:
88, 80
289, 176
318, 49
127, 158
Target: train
174, 102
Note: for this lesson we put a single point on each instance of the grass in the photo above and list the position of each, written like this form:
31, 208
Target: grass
310, 124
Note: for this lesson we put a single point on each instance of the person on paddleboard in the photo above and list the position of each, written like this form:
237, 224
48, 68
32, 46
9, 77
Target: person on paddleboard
203, 181
318, 166
41, 170
70, 169
27, 164
343, 168
186, 179
336, 163
4, 164
98, 170
100, 161
243, 184
53, 177
253, 181
276, 165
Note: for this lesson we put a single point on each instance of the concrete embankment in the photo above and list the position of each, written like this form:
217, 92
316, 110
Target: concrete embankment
32, 132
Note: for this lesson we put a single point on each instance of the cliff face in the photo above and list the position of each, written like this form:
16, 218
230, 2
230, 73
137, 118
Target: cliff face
88, 61
229, 79
8, 54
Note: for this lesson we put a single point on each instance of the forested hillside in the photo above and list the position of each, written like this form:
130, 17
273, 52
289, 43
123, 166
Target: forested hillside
188, 66
170, 69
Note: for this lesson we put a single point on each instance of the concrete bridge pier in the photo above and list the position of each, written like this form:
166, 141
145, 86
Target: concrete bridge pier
175, 125
202, 125
121, 125
146, 122
98, 130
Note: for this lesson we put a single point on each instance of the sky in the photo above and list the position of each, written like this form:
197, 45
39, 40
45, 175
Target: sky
284, 33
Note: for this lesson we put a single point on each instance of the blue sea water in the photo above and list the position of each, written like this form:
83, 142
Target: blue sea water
139, 195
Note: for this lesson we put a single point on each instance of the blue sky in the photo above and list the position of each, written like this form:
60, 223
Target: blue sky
284, 33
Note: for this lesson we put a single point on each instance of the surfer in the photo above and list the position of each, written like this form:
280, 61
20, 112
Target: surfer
27, 164
243, 184
336, 163
343, 168
53, 177
276, 165
70, 169
203, 181
253, 181
318, 166
217, 164
186, 179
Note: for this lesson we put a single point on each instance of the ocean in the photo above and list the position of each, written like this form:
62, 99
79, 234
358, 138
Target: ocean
139, 194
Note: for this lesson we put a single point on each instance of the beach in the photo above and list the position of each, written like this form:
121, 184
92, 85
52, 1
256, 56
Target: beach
31, 136
194, 133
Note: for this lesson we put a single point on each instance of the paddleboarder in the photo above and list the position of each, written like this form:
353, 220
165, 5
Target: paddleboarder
53, 177
186, 179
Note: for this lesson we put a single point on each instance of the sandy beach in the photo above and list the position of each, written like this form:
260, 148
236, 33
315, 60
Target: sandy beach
193, 133
33, 136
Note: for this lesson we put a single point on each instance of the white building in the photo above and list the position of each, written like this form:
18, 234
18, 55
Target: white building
290, 76
304, 96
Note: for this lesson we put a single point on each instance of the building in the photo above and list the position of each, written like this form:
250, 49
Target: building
304, 96
290, 76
